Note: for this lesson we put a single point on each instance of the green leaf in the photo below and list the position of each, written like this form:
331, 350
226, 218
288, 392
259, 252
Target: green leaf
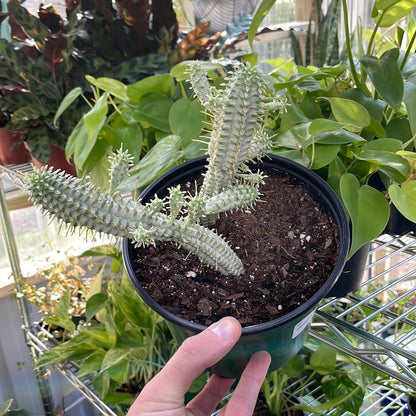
131, 138
409, 99
101, 383
322, 154
260, 14
323, 125
343, 387
374, 107
67, 101
158, 84
186, 118
79, 135
368, 210
92, 363
382, 154
100, 336
404, 197
386, 76
114, 356
294, 138
110, 85
153, 110
158, 159
363, 375
5, 406
349, 112
94, 304
323, 359
118, 399
61, 316
96, 117
388, 12
96, 283
295, 366
180, 70
103, 250
120, 370
338, 137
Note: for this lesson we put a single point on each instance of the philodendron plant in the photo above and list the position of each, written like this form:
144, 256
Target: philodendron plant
237, 137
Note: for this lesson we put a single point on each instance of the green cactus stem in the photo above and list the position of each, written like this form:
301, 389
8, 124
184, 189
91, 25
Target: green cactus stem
237, 135
79, 204
236, 138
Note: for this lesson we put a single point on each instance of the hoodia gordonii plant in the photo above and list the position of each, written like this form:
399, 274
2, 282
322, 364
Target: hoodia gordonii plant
236, 138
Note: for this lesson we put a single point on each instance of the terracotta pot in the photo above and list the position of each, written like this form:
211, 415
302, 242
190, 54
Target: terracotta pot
281, 337
57, 160
10, 155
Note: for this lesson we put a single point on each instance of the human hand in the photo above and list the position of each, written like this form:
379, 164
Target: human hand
164, 394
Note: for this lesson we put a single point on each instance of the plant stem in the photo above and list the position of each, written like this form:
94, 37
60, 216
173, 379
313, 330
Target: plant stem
348, 44
408, 49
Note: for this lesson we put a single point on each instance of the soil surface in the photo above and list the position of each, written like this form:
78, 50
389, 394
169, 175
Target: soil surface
288, 247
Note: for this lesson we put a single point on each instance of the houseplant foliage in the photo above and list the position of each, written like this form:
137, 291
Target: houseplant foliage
122, 343
343, 382
354, 123
50, 55
63, 296
153, 119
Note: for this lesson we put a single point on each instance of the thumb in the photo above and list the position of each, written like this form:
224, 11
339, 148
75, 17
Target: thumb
194, 355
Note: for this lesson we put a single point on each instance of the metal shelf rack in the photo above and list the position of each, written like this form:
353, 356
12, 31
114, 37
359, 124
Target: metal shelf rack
376, 325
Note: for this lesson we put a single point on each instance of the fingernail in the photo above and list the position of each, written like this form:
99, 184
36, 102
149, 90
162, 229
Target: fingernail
224, 329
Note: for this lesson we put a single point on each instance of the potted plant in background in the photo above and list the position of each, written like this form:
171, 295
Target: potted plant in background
50, 55
146, 221
355, 127
10, 153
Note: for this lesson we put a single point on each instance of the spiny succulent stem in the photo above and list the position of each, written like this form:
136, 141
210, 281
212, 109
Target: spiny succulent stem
236, 138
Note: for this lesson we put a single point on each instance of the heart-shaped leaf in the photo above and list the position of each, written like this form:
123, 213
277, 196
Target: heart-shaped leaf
323, 125
386, 76
368, 210
186, 118
349, 112
404, 198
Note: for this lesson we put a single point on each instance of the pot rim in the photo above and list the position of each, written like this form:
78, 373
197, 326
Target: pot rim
337, 212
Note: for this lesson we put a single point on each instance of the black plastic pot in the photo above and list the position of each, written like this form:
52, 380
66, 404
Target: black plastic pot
398, 224
284, 336
352, 275
411, 405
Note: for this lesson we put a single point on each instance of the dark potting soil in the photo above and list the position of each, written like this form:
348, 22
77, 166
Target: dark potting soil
287, 244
